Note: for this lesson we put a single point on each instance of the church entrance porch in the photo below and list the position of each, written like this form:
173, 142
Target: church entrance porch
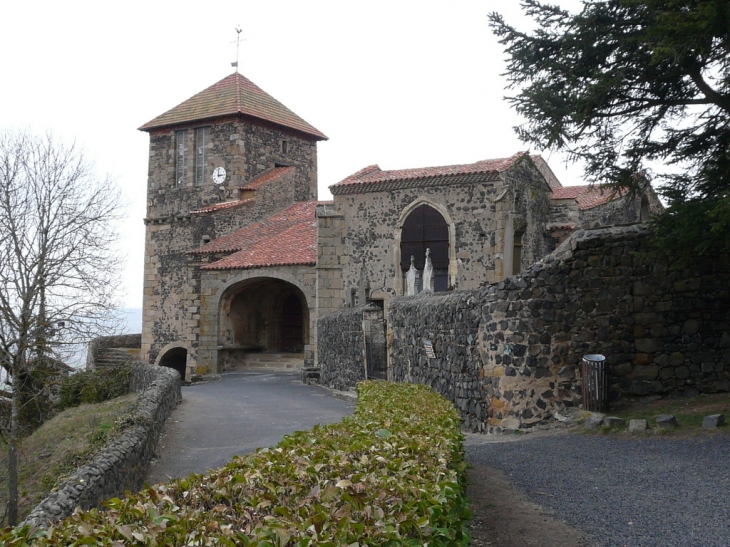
262, 321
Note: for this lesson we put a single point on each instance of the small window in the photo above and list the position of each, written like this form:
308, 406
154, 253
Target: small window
201, 155
517, 253
284, 147
181, 158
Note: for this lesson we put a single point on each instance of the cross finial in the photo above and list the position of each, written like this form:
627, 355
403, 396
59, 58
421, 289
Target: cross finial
238, 43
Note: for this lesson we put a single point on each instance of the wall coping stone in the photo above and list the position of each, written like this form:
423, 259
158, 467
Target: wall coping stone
123, 463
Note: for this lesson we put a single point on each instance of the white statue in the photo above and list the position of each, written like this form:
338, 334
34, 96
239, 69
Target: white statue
428, 273
411, 275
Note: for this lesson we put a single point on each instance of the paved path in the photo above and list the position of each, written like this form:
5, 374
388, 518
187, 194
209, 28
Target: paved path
237, 414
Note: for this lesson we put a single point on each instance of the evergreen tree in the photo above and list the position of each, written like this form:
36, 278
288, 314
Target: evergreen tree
628, 83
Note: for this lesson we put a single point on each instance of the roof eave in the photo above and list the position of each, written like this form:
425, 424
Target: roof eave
151, 126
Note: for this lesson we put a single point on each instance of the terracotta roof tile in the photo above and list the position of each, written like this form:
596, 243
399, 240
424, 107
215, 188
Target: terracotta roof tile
289, 237
587, 196
374, 175
234, 94
221, 206
266, 177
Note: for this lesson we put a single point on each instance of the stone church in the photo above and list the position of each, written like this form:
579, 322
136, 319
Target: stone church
241, 259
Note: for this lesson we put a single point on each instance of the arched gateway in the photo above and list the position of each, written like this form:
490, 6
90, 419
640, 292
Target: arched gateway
261, 315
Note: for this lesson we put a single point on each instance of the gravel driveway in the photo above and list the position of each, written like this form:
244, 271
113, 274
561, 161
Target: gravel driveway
634, 492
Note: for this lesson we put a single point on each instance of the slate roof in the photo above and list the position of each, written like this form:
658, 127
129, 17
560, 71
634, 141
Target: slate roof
372, 178
234, 94
287, 238
587, 196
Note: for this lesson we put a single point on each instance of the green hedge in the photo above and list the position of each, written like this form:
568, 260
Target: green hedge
391, 474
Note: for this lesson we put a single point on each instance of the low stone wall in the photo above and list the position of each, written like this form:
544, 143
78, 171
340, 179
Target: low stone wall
123, 464
98, 345
450, 322
341, 348
509, 355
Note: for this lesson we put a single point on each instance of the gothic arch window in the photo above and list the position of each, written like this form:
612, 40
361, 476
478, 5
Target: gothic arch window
425, 228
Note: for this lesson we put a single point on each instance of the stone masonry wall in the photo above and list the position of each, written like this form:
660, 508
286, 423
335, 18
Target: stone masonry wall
341, 349
171, 305
123, 464
451, 323
509, 355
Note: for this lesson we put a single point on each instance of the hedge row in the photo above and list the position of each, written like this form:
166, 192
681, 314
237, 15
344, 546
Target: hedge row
391, 474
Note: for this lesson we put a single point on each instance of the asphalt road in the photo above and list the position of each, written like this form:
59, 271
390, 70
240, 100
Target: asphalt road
237, 414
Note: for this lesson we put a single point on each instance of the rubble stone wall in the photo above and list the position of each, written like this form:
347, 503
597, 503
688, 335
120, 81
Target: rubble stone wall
123, 464
341, 348
509, 355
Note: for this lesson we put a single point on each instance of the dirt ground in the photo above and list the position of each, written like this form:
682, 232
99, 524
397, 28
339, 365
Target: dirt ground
502, 517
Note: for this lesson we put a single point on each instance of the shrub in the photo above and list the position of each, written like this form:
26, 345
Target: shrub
94, 386
392, 474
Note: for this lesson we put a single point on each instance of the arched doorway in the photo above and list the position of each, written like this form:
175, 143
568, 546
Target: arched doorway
176, 358
425, 228
292, 325
261, 315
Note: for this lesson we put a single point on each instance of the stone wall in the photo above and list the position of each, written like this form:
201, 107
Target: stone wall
341, 348
450, 322
98, 345
123, 464
509, 355
359, 233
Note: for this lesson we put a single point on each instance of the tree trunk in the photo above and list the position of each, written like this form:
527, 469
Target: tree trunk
13, 451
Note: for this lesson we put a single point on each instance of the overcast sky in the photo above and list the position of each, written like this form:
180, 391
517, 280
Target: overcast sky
393, 82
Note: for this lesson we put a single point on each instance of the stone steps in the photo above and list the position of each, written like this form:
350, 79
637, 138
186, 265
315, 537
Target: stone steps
114, 357
273, 361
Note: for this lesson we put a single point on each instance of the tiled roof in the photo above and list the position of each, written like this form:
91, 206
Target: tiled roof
287, 238
373, 175
233, 95
587, 196
221, 206
268, 176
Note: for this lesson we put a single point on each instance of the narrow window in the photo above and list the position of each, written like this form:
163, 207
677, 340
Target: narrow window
423, 229
284, 147
517, 253
181, 158
201, 155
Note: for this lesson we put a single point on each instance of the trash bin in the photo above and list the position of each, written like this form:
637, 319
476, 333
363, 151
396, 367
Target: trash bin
595, 383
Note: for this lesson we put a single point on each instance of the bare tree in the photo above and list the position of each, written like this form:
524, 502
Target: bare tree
58, 271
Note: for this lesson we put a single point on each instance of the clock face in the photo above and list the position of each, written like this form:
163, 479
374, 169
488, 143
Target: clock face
219, 175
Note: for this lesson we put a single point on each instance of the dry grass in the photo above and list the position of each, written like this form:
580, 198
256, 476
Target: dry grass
58, 447
689, 412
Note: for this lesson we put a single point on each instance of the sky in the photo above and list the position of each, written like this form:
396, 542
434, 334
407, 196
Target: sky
398, 83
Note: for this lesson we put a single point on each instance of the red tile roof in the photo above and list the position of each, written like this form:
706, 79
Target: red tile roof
268, 176
221, 206
287, 238
587, 196
374, 175
234, 94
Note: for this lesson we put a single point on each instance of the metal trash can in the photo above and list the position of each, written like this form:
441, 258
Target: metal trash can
595, 383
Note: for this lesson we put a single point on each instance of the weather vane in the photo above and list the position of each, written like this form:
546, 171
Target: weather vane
238, 42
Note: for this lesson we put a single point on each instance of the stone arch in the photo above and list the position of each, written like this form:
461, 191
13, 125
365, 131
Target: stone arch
259, 315
174, 356
405, 214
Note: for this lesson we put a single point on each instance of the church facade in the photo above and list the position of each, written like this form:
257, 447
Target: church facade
241, 258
